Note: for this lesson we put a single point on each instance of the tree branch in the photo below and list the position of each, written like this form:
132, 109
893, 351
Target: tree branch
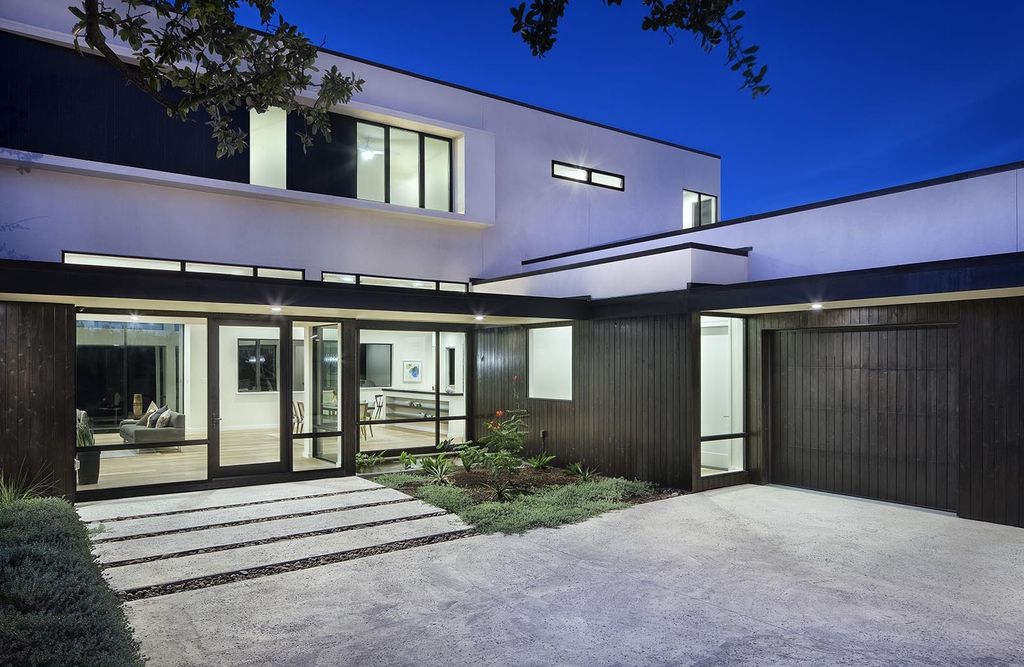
95, 38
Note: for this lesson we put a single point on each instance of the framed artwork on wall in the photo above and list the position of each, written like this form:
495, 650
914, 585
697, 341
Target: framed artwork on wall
412, 371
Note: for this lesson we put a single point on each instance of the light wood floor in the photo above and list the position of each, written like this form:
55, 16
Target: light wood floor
238, 447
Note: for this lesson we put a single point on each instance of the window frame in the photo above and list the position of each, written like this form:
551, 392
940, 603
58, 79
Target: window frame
422, 164
590, 175
700, 198
572, 361
271, 342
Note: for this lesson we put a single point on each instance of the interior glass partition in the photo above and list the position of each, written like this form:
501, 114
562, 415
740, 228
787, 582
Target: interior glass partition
412, 389
721, 395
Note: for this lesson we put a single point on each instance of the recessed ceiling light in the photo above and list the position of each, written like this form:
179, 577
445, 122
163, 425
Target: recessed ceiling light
478, 318
276, 309
817, 306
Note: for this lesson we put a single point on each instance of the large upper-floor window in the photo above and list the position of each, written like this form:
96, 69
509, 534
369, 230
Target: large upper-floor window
403, 167
699, 209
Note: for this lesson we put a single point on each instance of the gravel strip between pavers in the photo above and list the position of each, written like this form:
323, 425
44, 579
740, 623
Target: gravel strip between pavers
279, 568
242, 522
234, 505
271, 540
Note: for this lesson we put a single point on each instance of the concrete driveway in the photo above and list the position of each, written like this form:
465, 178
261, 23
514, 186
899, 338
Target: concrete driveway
741, 576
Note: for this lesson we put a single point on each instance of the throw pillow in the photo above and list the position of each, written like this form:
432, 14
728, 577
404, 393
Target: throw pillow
144, 419
165, 419
155, 416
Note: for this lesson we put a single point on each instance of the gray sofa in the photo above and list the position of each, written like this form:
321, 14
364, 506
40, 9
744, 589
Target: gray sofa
133, 434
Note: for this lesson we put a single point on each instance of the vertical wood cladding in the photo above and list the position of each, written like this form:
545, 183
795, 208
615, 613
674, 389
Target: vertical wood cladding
633, 382
56, 101
867, 412
37, 393
326, 167
885, 377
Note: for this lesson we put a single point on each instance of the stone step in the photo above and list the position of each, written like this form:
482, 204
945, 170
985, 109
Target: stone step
162, 545
213, 517
220, 562
107, 510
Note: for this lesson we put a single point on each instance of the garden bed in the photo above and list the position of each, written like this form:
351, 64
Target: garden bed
546, 497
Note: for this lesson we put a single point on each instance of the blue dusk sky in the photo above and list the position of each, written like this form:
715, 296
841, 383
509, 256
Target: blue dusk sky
864, 94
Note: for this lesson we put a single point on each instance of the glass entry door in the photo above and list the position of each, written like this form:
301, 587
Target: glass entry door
249, 371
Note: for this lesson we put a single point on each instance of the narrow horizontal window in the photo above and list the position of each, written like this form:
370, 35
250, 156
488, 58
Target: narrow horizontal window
223, 269
118, 262
572, 172
408, 283
567, 171
346, 278
287, 274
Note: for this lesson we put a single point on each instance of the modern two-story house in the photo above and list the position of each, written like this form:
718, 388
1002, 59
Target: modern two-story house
451, 253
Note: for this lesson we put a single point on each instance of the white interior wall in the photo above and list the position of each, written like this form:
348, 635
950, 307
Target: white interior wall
246, 410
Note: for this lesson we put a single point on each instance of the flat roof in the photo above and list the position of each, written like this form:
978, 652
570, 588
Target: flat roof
940, 180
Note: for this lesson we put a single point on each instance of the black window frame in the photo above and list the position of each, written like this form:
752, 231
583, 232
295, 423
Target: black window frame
590, 175
700, 198
259, 343
422, 164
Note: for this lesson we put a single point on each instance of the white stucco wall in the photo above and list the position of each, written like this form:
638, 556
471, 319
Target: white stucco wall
505, 181
972, 217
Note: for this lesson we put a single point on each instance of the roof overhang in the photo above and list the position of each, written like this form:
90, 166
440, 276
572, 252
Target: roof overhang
990, 276
150, 291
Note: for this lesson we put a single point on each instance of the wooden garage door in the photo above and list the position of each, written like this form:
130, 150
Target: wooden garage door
870, 413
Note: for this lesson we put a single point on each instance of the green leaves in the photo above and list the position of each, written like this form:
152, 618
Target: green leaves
437, 469
708, 20
193, 58
541, 461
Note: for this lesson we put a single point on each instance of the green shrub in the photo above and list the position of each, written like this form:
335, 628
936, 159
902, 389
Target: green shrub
366, 462
408, 460
450, 498
55, 607
581, 473
397, 480
553, 506
437, 469
541, 461
22, 486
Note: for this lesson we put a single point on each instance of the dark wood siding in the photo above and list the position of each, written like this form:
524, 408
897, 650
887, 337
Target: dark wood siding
326, 167
59, 102
866, 412
37, 411
980, 344
633, 384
